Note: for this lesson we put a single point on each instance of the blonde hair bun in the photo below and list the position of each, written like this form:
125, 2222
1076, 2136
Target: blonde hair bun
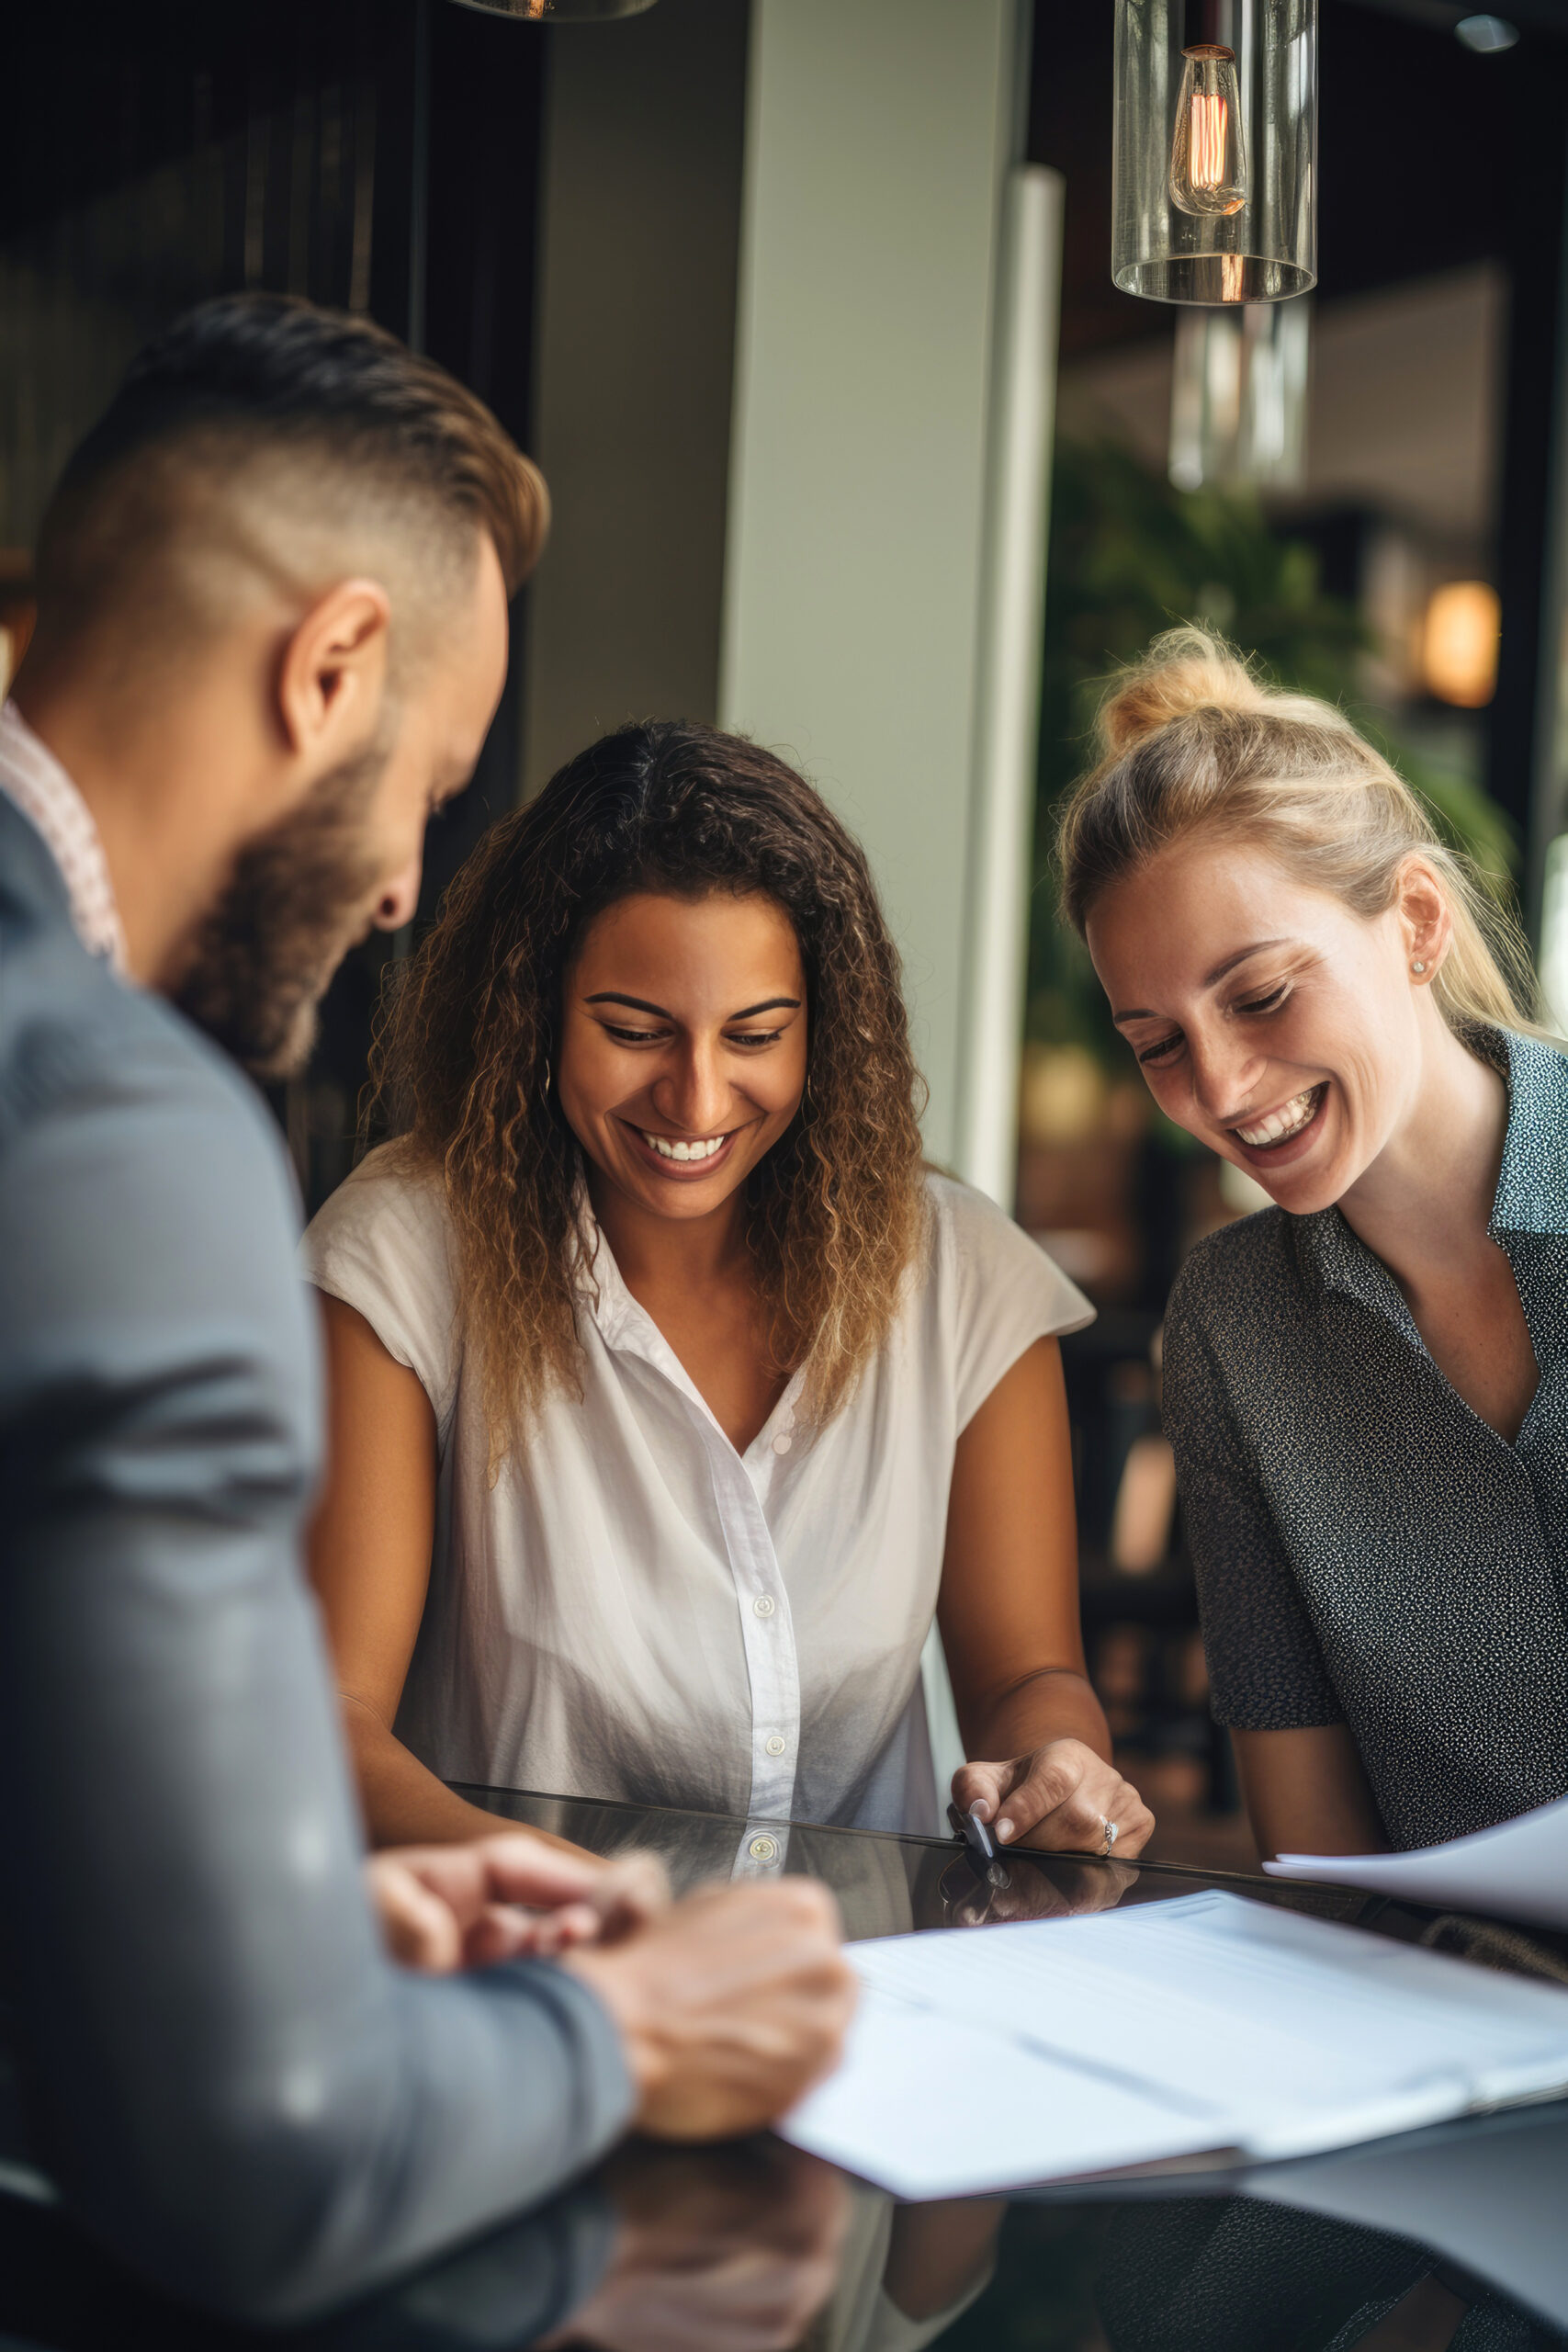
1183, 670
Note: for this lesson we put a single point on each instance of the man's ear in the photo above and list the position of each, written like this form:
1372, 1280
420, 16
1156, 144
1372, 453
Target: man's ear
333, 675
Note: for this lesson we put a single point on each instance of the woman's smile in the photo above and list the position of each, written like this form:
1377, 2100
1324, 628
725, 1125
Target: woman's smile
704, 1149
682, 1158
1273, 1138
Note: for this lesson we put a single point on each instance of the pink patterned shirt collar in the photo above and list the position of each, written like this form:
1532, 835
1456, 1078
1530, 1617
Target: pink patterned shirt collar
32, 778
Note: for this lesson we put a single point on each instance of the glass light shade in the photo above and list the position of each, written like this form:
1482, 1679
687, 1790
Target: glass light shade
1486, 35
1238, 397
559, 12
1215, 183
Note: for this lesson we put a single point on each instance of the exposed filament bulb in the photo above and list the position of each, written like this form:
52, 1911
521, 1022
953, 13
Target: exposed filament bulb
1208, 158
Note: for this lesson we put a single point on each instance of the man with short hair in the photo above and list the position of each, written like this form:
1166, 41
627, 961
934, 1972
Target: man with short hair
271, 633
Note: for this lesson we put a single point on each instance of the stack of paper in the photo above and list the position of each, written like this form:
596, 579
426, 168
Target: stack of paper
1488, 2196
992, 2058
1518, 1870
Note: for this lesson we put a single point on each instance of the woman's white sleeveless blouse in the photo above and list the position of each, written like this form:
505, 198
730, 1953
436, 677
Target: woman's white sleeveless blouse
635, 1610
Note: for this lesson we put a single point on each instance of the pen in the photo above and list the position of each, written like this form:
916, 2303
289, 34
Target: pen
978, 1847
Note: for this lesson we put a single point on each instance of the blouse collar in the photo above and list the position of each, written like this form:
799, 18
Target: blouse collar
1532, 1184
627, 1329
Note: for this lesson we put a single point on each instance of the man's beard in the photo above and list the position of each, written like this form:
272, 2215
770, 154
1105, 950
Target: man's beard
264, 954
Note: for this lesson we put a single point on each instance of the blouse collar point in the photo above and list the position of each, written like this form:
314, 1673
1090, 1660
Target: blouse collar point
1532, 1184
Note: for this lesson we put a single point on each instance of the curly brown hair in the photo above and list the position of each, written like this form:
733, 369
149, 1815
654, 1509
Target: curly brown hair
460, 1070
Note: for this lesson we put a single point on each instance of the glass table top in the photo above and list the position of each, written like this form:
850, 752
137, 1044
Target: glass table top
1457, 2235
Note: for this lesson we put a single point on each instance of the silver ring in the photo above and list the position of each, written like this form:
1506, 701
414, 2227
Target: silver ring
1110, 1833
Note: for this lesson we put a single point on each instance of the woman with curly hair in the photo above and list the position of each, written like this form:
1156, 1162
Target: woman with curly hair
673, 1396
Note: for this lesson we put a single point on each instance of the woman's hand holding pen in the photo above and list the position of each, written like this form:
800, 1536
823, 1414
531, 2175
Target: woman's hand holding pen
1061, 1797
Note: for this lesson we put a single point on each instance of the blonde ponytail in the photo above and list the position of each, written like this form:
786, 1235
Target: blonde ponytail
1191, 740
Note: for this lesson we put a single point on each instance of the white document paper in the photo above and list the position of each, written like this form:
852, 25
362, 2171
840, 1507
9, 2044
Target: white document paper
1519, 1870
920, 2100
1490, 2196
991, 2058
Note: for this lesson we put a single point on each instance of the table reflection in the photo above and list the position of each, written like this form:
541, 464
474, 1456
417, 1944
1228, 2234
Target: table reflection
1022, 1889
1235, 2276
1456, 2237
715, 2253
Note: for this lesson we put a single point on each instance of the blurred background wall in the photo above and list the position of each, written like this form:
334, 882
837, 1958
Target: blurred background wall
738, 271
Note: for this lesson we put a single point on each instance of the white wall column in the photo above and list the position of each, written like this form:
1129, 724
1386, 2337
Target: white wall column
1007, 696
862, 584
895, 361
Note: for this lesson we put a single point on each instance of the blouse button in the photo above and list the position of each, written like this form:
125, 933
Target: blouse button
763, 1849
775, 1745
764, 1605
782, 1442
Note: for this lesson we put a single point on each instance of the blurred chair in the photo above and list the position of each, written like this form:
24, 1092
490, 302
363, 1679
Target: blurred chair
1138, 1597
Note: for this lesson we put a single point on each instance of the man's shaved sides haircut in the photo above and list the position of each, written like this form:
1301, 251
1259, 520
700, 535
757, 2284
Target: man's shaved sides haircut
262, 436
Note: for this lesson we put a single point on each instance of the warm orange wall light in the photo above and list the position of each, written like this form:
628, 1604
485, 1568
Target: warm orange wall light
1459, 643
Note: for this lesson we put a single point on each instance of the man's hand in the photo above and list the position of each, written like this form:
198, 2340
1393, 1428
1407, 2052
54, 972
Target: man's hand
730, 2008
442, 1907
1060, 1798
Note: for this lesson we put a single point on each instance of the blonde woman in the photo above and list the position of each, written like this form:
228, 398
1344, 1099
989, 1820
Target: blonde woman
671, 1398
1367, 1384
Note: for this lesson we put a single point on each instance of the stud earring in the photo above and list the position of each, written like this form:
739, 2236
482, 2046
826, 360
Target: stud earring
1418, 965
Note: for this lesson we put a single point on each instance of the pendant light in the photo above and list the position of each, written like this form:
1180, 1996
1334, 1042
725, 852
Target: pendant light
559, 12
1239, 396
1214, 182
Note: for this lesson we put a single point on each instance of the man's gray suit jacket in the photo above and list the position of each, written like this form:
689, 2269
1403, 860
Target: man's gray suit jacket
235, 2090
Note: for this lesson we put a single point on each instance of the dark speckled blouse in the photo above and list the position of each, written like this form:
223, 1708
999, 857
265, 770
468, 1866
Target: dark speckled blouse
1368, 1550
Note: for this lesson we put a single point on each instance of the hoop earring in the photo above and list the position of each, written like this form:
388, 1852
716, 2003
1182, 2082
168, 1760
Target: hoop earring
549, 1078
